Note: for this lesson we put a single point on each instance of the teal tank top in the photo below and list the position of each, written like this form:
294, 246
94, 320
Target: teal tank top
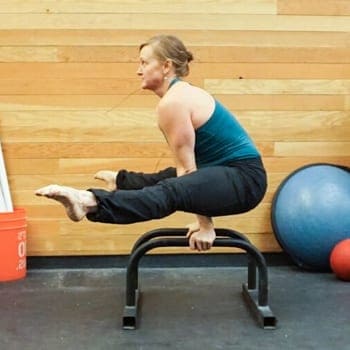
222, 140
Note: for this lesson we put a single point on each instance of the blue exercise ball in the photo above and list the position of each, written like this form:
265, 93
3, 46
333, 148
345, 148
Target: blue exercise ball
310, 213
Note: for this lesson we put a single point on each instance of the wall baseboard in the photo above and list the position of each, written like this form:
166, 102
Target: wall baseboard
160, 260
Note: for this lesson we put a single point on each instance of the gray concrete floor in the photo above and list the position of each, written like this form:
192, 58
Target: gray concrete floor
182, 308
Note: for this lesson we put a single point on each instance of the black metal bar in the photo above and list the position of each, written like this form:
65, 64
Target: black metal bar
161, 232
257, 299
132, 291
251, 262
260, 263
231, 233
132, 269
181, 232
173, 232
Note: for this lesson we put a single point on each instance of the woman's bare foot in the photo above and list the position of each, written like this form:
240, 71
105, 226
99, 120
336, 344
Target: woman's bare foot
109, 177
76, 202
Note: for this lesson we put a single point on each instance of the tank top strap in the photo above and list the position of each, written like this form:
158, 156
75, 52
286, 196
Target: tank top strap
173, 81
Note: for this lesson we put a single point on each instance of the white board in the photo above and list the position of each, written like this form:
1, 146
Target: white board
5, 195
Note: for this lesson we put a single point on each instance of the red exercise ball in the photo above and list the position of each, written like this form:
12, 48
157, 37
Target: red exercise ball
340, 260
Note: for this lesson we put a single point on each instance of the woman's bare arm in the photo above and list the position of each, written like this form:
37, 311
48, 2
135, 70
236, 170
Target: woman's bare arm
175, 122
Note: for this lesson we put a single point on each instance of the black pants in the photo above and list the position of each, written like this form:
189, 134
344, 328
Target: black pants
211, 191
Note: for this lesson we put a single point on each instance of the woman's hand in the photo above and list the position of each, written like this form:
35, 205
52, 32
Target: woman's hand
200, 238
192, 227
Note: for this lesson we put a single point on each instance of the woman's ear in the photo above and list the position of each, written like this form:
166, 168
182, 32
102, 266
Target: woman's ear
167, 66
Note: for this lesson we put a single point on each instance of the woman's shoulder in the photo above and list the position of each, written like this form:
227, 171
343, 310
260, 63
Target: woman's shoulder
176, 96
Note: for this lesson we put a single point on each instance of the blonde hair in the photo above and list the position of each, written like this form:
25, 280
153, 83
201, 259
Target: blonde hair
168, 47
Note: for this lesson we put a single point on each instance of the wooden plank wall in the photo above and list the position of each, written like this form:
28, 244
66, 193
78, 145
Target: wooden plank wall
70, 102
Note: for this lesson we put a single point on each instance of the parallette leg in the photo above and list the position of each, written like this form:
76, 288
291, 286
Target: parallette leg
263, 314
130, 316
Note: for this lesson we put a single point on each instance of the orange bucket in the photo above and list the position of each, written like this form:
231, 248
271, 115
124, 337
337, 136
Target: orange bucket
13, 232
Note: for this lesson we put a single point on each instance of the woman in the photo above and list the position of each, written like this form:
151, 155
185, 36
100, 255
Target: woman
218, 168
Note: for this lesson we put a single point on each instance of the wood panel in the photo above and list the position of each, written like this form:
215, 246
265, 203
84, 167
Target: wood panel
152, 6
126, 126
71, 103
206, 38
275, 86
108, 102
217, 55
314, 7
159, 21
200, 70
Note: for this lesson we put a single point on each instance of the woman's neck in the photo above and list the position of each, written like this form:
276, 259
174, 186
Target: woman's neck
167, 84
173, 81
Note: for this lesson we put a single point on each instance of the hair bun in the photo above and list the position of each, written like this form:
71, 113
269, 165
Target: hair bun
189, 56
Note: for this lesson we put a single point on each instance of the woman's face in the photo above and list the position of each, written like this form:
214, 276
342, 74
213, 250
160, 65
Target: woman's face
150, 70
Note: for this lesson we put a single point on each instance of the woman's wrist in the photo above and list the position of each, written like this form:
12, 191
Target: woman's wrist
205, 221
